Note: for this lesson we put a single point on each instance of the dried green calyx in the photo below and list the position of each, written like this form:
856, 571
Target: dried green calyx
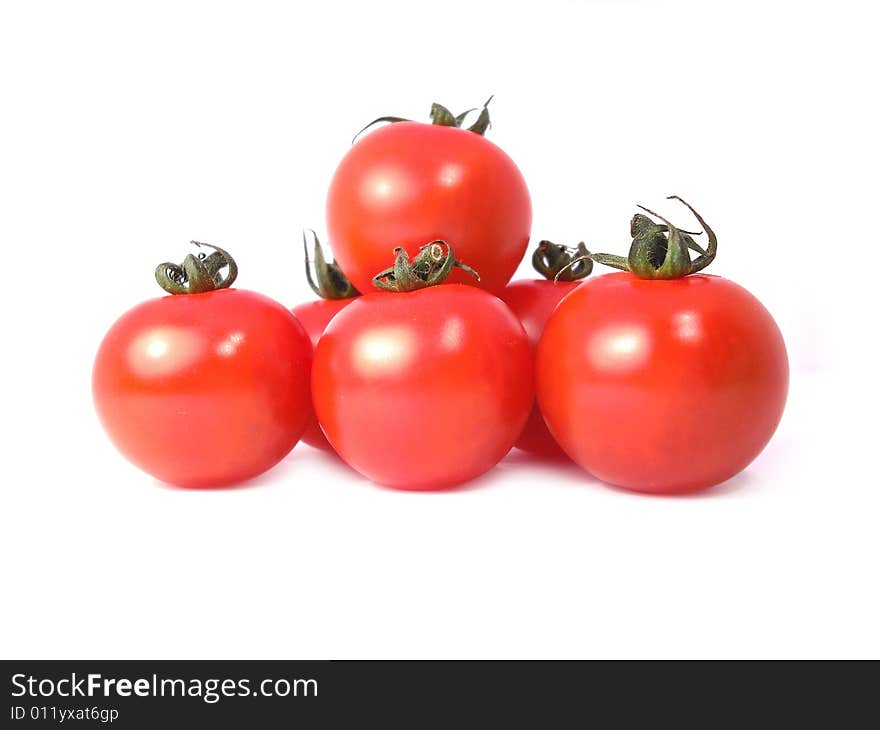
661, 250
329, 281
562, 263
198, 273
441, 116
430, 266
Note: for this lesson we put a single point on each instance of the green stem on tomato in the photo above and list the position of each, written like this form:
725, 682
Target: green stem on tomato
429, 267
198, 273
661, 250
329, 281
441, 116
562, 263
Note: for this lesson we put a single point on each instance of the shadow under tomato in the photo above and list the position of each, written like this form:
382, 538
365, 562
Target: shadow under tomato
283, 473
515, 464
480, 482
329, 460
558, 462
247, 484
577, 476
543, 469
486, 480
733, 486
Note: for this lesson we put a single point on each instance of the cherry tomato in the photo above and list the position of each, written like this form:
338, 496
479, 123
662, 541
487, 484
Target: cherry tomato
204, 389
329, 282
661, 386
314, 317
533, 301
409, 183
426, 389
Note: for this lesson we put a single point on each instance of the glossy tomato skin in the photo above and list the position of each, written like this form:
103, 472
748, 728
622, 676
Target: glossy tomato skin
410, 183
662, 386
533, 301
314, 316
204, 390
423, 390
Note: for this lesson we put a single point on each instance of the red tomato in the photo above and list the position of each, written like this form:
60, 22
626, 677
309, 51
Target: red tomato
533, 301
410, 183
662, 386
423, 390
314, 317
204, 390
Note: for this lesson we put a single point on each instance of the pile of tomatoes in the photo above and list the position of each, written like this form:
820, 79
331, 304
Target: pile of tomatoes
421, 365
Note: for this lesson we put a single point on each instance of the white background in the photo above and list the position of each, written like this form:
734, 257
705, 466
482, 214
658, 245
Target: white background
128, 128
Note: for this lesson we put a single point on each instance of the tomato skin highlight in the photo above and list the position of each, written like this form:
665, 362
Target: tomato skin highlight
314, 316
660, 386
409, 183
533, 301
423, 390
204, 390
